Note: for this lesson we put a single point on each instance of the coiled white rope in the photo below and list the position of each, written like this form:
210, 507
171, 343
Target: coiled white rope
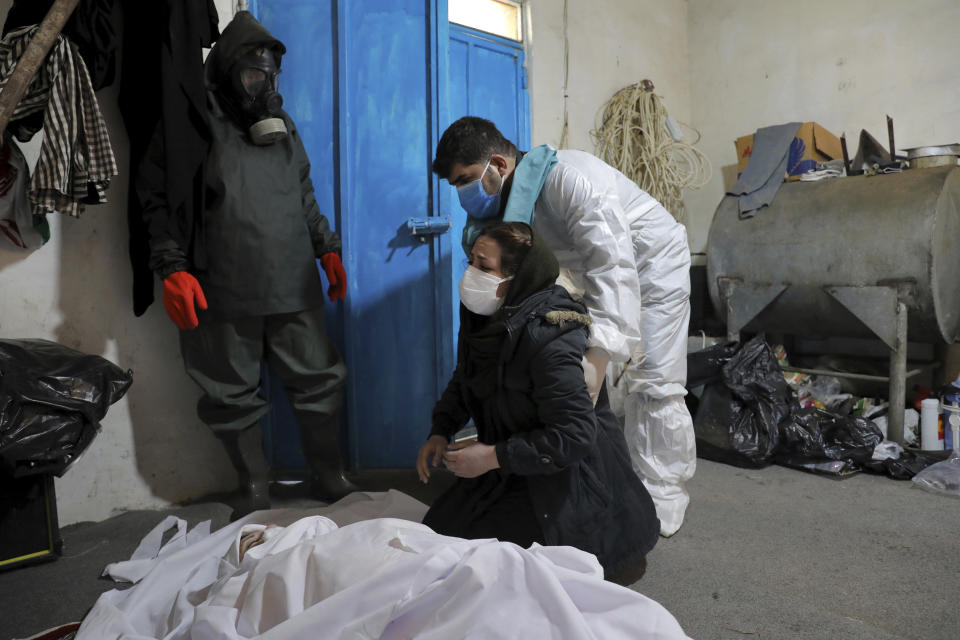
633, 137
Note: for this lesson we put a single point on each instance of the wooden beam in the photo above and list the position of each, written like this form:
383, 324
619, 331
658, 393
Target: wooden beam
33, 57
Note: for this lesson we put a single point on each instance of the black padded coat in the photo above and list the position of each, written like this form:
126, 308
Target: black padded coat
572, 455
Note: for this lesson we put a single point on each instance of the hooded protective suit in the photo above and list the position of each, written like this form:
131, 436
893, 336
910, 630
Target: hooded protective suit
261, 227
261, 231
623, 251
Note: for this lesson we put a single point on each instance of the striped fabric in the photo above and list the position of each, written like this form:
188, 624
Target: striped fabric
76, 160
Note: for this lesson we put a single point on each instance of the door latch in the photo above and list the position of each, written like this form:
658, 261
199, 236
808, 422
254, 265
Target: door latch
423, 228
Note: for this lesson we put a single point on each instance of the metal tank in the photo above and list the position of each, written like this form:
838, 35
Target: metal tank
856, 256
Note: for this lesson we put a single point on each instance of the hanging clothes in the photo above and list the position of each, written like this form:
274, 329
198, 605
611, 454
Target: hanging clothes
760, 181
76, 160
162, 90
17, 222
90, 27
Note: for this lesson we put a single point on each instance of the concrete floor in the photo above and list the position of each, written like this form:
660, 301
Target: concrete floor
778, 553
772, 553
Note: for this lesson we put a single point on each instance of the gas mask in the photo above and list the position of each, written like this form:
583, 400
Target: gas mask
253, 88
478, 291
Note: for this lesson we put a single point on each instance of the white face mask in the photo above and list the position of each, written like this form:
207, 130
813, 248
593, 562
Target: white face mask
478, 291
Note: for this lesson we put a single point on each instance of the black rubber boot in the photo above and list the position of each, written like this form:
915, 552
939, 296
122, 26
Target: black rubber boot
328, 483
630, 574
245, 449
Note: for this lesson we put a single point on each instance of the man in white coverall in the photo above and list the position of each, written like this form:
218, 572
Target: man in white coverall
617, 246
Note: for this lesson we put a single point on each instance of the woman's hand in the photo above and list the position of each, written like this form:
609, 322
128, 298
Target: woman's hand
432, 448
470, 459
595, 362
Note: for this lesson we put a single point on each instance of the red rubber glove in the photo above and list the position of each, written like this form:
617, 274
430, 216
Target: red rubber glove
180, 291
336, 275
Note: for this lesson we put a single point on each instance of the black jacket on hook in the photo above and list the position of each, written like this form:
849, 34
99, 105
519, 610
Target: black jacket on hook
162, 85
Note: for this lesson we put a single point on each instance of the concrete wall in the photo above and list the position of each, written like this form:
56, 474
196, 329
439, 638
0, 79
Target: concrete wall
612, 44
846, 65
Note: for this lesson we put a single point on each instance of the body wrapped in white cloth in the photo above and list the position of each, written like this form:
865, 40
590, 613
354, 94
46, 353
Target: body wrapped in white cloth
341, 575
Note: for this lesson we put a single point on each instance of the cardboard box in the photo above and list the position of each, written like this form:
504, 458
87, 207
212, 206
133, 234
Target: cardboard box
812, 144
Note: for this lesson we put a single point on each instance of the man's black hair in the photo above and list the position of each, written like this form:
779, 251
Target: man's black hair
469, 140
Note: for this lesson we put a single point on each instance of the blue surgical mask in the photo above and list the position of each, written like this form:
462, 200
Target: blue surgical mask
476, 201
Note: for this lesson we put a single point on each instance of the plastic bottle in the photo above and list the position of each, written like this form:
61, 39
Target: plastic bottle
950, 406
929, 431
951, 431
950, 411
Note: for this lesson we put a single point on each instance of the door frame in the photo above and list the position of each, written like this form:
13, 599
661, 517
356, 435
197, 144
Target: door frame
476, 38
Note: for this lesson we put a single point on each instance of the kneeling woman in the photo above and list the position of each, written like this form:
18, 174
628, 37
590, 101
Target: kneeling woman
548, 466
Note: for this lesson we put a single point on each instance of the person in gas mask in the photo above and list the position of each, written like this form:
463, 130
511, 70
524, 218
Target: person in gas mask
617, 246
241, 281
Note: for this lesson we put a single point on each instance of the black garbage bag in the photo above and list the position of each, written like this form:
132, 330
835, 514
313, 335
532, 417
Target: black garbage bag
706, 366
52, 399
738, 417
908, 464
825, 442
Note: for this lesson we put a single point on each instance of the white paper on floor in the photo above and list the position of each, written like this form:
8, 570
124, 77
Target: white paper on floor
364, 568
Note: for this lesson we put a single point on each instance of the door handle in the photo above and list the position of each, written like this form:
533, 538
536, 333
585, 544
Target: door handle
423, 228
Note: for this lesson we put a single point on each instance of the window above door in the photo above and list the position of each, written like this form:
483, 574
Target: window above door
499, 17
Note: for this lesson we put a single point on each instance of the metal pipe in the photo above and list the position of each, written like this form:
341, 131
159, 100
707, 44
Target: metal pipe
898, 378
733, 333
845, 374
893, 156
846, 156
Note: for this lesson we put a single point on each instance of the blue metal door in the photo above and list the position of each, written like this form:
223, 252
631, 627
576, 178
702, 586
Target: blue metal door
486, 79
309, 62
361, 80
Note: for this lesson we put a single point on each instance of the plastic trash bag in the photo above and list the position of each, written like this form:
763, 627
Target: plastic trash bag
942, 477
887, 450
892, 459
52, 399
908, 464
737, 419
817, 440
706, 365
826, 392
911, 426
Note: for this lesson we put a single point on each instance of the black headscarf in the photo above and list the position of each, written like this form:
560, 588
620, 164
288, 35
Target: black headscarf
484, 335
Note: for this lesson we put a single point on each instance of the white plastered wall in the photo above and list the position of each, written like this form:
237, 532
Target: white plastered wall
846, 65
612, 44
76, 290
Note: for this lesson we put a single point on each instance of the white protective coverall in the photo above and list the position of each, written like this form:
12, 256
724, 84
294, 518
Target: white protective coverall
618, 247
